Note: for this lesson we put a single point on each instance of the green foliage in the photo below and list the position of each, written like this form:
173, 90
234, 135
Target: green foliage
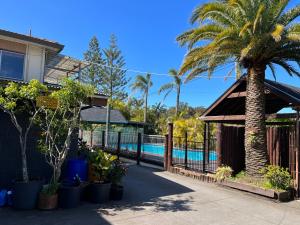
102, 163
21, 98
143, 84
93, 73
240, 175
250, 33
58, 124
72, 94
117, 172
113, 73
277, 177
50, 189
223, 172
192, 126
175, 85
15, 100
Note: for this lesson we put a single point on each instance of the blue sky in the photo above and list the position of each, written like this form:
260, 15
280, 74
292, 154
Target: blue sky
146, 32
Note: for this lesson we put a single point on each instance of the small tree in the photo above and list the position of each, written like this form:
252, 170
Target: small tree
19, 102
59, 124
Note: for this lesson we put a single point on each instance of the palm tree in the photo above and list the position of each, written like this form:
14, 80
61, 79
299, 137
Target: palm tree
143, 84
174, 85
255, 34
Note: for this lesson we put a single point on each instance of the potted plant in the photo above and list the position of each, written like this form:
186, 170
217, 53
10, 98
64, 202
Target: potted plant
101, 163
48, 196
118, 171
78, 165
19, 103
69, 193
58, 123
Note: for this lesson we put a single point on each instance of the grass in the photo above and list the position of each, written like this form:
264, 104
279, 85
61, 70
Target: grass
260, 182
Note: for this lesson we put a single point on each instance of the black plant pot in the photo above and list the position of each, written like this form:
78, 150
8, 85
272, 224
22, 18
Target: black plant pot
25, 194
69, 196
116, 192
99, 192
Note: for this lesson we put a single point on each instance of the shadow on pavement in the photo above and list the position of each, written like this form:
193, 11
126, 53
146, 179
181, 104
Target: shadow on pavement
144, 189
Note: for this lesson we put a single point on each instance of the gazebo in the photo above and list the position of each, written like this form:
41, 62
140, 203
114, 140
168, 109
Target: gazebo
228, 111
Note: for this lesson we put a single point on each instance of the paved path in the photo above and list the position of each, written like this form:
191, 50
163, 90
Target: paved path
155, 197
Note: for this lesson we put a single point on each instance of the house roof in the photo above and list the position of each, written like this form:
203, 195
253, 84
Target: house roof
97, 115
230, 106
59, 66
28, 38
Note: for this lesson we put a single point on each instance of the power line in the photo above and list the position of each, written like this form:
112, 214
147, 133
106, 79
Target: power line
154, 73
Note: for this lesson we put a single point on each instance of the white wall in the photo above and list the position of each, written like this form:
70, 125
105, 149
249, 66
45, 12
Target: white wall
34, 63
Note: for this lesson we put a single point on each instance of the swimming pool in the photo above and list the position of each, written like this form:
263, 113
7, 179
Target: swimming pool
158, 150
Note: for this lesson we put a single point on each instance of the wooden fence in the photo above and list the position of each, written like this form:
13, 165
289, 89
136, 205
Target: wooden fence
281, 142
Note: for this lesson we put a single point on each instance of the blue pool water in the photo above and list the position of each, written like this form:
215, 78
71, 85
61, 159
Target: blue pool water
158, 150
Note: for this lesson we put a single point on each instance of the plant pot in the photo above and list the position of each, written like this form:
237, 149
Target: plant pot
69, 196
91, 173
99, 192
116, 192
47, 202
25, 194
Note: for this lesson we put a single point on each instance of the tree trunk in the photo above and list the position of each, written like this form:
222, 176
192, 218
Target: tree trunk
255, 128
107, 125
146, 106
24, 158
177, 100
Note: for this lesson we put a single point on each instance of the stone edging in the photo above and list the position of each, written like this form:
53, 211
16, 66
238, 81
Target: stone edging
195, 175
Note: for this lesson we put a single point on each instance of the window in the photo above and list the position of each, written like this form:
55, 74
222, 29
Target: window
11, 65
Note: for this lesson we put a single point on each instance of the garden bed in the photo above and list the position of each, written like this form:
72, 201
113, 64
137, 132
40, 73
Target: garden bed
282, 196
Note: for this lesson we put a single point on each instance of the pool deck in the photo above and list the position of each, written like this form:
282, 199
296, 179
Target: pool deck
157, 197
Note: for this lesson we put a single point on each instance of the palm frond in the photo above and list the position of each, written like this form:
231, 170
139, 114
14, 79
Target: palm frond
290, 16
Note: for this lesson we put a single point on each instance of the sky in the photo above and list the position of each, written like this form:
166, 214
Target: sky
146, 32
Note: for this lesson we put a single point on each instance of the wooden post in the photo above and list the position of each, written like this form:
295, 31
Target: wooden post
139, 148
170, 145
204, 148
219, 144
91, 139
186, 150
297, 156
103, 139
119, 145
208, 144
166, 152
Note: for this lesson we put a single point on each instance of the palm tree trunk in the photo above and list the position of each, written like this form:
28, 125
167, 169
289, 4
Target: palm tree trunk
255, 128
146, 106
177, 100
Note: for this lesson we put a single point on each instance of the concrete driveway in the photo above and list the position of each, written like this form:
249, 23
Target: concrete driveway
159, 198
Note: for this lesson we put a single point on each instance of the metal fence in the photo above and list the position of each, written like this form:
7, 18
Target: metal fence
191, 155
185, 153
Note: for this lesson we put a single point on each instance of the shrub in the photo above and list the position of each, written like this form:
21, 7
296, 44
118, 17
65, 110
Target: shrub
117, 172
102, 163
277, 177
223, 172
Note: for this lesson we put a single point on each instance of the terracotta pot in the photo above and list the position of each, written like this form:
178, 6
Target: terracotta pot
47, 202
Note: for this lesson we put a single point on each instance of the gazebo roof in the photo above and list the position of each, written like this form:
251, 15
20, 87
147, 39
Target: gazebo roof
230, 106
97, 115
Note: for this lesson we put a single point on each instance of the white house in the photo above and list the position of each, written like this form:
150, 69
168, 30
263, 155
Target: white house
24, 57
